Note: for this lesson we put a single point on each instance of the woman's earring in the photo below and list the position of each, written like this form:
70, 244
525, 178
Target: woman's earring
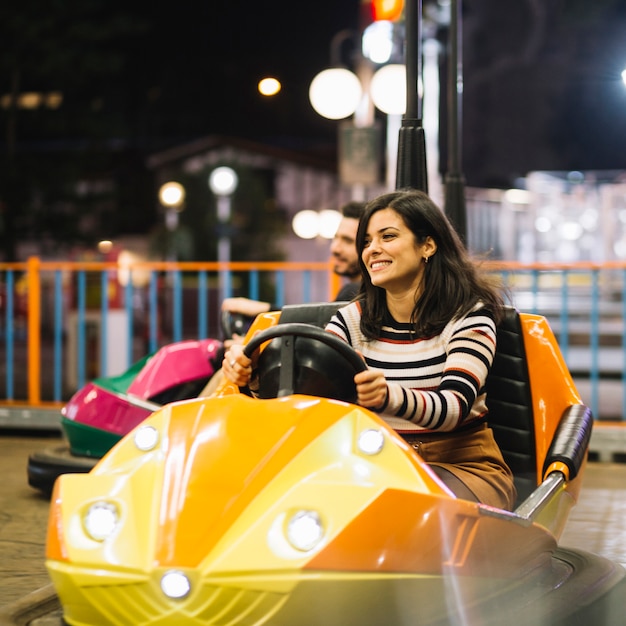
426, 259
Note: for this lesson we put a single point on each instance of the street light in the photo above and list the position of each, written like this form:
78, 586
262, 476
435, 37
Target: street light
223, 182
336, 93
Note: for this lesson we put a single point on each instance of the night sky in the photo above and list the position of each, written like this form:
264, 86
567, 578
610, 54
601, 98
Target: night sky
542, 77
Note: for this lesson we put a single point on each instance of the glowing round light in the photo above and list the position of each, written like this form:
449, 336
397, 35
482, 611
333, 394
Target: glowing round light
335, 93
223, 181
388, 89
306, 224
304, 530
624, 77
377, 41
328, 223
543, 224
371, 441
146, 438
172, 194
175, 585
105, 246
269, 86
101, 520
571, 231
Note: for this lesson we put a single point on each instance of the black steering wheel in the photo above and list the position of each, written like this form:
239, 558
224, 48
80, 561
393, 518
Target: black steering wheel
235, 324
305, 359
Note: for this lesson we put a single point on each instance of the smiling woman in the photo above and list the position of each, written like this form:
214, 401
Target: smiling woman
425, 323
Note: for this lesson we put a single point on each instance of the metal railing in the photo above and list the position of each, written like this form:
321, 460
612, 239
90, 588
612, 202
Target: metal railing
64, 323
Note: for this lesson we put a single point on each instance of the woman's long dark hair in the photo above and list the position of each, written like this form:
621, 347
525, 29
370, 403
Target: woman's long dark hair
452, 284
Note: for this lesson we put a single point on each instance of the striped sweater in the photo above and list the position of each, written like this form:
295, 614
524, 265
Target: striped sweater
435, 383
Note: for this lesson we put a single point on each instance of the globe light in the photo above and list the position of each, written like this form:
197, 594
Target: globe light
328, 223
269, 86
377, 43
388, 89
335, 93
223, 181
306, 224
172, 195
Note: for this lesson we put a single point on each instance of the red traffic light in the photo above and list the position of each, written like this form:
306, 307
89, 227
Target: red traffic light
389, 10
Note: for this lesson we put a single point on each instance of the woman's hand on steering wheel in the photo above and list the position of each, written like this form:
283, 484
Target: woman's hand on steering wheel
237, 367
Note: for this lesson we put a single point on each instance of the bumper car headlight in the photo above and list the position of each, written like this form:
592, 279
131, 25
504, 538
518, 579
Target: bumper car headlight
305, 530
371, 441
146, 438
175, 585
101, 520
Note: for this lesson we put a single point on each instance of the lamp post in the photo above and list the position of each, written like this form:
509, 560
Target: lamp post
223, 182
338, 93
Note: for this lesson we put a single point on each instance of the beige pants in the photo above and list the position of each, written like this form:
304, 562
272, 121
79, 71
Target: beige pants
472, 456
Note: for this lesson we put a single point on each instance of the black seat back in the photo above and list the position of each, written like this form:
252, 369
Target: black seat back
318, 314
510, 404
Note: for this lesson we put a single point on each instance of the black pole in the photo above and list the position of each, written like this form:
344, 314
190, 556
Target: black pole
411, 169
454, 180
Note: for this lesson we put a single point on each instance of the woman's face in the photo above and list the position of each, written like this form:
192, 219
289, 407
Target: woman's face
392, 256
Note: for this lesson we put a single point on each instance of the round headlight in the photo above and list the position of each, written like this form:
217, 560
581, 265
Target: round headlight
146, 438
100, 520
305, 530
371, 441
175, 585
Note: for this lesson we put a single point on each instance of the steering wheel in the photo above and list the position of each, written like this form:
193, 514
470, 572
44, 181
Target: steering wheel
305, 359
235, 323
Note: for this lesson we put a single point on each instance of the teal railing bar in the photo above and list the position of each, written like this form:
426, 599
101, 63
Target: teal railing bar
564, 316
253, 289
58, 337
9, 286
153, 311
203, 315
177, 313
594, 342
128, 302
81, 334
104, 325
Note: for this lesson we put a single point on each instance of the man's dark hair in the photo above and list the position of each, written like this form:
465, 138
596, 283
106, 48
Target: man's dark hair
353, 209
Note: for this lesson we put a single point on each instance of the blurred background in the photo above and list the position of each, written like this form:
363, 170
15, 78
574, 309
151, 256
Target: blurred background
103, 101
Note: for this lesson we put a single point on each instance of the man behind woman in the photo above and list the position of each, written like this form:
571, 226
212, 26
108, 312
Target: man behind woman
424, 321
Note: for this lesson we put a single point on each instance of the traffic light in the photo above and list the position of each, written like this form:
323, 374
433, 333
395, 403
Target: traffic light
389, 10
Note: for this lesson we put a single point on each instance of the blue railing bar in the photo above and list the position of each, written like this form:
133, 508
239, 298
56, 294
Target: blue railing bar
153, 311
128, 303
280, 288
253, 288
58, 337
9, 333
80, 320
306, 286
177, 314
564, 334
535, 289
594, 342
203, 293
104, 327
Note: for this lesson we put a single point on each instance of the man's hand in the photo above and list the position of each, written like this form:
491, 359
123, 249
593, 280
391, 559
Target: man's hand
245, 306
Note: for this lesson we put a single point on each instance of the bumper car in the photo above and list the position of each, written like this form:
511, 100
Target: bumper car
297, 506
99, 414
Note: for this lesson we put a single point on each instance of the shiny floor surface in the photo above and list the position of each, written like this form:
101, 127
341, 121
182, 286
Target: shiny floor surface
597, 523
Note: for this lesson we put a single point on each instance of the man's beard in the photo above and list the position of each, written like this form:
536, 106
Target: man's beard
352, 271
